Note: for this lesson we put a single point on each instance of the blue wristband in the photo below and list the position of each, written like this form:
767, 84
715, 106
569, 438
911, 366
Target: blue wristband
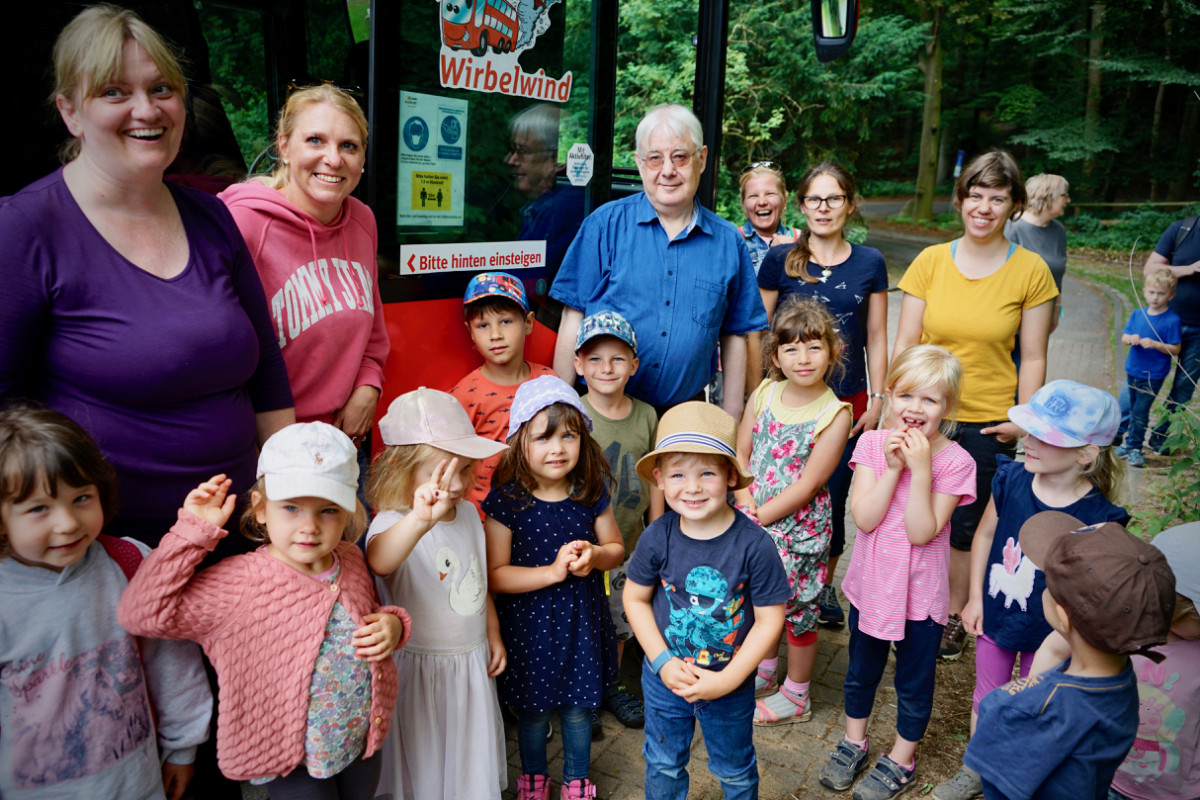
663, 658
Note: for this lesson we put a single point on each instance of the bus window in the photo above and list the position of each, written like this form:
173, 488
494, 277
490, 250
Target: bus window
481, 158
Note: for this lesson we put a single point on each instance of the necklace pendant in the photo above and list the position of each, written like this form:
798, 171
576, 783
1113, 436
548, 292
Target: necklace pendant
825, 273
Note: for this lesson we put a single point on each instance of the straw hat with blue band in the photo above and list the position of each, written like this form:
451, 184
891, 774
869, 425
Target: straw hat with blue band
695, 427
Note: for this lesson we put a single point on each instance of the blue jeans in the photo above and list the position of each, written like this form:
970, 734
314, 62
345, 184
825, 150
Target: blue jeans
916, 660
1140, 394
576, 737
728, 726
1187, 373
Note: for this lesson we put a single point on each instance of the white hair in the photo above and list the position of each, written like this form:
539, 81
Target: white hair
675, 118
540, 123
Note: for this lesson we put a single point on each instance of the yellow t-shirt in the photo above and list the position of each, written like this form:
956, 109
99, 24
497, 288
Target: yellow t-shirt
824, 408
977, 319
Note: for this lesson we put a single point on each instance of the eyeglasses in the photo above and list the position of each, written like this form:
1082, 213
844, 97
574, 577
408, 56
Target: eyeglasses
771, 165
354, 91
680, 158
834, 201
521, 151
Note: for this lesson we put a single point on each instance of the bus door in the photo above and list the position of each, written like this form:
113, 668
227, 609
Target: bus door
491, 140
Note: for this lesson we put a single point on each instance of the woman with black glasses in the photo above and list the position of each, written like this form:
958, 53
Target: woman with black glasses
851, 280
314, 246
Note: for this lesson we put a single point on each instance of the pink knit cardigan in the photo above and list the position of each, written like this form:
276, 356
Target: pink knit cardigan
261, 623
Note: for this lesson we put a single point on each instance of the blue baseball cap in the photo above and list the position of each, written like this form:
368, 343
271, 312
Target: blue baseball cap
496, 284
1069, 414
606, 323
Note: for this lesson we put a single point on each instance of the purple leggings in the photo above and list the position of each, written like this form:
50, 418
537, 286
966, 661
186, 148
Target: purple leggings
994, 667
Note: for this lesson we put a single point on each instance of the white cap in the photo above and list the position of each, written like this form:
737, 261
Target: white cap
310, 459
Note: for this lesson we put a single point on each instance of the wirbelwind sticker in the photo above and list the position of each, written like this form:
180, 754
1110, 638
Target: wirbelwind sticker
481, 42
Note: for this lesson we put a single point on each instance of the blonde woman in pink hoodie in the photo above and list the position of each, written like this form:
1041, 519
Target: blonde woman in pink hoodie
314, 246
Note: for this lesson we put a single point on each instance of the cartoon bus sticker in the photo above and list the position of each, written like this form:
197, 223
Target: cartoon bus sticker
475, 24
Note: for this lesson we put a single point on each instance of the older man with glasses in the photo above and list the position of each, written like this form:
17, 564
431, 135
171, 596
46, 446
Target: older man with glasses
680, 274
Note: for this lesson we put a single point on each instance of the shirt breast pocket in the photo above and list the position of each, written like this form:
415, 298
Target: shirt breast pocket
708, 304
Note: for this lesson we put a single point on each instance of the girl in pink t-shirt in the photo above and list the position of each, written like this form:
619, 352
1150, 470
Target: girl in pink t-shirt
908, 479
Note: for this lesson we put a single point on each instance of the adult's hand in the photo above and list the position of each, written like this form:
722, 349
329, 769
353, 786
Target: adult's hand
356, 416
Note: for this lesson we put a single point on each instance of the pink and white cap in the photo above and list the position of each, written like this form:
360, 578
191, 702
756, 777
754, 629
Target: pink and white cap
310, 459
427, 416
1069, 414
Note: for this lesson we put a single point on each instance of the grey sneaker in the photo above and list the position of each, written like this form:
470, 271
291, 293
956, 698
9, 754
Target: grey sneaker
843, 765
954, 639
829, 610
886, 780
966, 785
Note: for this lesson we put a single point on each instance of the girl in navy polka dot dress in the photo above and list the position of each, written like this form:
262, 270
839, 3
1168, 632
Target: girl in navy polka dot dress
550, 535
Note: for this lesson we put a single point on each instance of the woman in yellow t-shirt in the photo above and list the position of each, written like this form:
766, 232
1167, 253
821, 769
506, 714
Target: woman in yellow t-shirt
973, 296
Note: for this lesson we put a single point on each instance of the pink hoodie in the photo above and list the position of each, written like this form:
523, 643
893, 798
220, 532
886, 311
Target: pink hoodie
320, 282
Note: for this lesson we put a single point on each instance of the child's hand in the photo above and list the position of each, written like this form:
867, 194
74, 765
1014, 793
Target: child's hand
563, 561
708, 685
972, 617
677, 675
432, 501
497, 655
582, 565
376, 640
745, 501
211, 501
892, 448
914, 449
1131, 339
175, 778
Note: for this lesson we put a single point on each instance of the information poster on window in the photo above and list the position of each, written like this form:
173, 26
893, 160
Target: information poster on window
432, 165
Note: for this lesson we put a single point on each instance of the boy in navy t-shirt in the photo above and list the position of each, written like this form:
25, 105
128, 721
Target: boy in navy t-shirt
1153, 334
1109, 594
704, 593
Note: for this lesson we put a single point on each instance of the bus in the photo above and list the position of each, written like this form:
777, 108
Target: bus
473, 24
443, 83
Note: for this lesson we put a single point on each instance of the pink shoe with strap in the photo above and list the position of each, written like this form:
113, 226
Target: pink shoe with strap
580, 789
533, 787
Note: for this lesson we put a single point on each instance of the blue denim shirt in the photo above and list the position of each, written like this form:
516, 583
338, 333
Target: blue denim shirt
758, 248
680, 295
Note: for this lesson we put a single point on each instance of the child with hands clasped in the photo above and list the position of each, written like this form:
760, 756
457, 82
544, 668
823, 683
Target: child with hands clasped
550, 535
704, 593
427, 545
907, 481
76, 691
791, 437
294, 629
1070, 466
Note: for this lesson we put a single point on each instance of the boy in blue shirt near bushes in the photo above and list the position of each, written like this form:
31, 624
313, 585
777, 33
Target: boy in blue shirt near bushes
1154, 334
704, 593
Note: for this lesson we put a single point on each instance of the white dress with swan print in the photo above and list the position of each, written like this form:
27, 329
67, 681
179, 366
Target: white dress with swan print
447, 738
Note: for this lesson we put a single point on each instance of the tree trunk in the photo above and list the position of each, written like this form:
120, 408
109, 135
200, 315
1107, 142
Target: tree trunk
1156, 122
1187, 144
1091, 118
929, 59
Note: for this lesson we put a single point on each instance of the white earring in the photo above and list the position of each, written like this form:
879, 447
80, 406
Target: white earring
285, 162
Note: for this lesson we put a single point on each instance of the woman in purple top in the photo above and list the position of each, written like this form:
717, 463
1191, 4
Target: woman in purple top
129, 304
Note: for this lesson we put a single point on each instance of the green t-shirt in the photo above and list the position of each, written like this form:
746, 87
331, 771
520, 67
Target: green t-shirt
624, 441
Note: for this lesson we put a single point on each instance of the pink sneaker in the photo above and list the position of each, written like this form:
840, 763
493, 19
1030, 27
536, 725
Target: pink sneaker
533, 787
581, 789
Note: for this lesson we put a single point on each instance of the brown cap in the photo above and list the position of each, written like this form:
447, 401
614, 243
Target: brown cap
1119, 591
695, 427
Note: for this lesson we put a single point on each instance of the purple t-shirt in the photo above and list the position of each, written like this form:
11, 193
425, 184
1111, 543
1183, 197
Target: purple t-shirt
166, 375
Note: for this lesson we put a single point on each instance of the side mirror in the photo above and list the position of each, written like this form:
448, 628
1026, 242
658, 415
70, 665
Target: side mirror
834, 24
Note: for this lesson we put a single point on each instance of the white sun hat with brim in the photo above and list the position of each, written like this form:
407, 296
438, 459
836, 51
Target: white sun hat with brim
427, 416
